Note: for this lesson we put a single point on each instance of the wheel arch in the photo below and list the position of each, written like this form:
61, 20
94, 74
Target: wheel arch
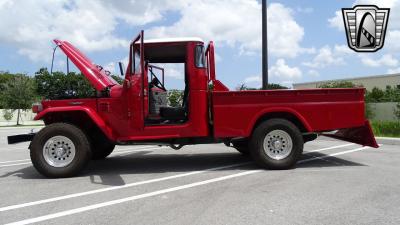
82, 117
288, 114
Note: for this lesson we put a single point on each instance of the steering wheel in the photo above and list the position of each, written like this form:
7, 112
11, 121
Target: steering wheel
157, 83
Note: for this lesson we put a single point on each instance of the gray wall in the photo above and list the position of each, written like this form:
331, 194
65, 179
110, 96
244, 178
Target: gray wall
368, 82
384, 111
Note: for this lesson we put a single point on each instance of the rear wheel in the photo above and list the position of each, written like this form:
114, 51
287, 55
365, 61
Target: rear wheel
276, 144
60, 150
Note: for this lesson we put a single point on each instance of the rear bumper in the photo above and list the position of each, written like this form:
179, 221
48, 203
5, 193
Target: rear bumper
14, 139
360, 135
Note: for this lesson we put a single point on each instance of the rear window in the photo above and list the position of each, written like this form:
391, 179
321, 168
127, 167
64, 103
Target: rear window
200, 57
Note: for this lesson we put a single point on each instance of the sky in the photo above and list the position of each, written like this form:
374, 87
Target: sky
306, 38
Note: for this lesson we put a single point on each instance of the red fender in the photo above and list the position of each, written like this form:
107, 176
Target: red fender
90, 112
277, 110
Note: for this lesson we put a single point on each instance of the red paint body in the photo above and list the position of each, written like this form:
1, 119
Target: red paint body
215, 112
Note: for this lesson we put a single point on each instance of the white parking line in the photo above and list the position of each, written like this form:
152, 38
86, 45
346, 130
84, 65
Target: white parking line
135, 197
123, 152
16, 164
16, 148
334, 154
117, 187
148, 148
329, 148
159, 192
116, 153
13, 161
124, 148
138, 150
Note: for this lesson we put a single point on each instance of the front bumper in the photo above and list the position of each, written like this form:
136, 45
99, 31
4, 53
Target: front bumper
14, 139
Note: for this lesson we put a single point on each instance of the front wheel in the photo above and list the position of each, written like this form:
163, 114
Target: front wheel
276, 144
102, 148
242, 146
101, 145
60, 150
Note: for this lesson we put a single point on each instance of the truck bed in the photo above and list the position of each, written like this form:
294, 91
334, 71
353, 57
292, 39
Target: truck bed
236, 112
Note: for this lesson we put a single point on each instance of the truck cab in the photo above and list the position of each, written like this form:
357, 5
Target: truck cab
270, 125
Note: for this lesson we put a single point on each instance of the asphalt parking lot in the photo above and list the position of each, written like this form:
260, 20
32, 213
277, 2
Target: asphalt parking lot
334, 183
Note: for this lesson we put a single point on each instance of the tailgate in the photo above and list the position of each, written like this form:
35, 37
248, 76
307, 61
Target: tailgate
362, 135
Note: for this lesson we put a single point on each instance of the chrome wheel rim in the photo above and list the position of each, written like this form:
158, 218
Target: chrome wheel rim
59, 151
278, 144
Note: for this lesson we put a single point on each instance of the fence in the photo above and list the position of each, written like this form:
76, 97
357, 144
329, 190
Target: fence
26, 118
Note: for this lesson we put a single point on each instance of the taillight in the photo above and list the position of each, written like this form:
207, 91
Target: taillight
37, 108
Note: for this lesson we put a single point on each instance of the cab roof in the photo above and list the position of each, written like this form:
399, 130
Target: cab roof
174, 40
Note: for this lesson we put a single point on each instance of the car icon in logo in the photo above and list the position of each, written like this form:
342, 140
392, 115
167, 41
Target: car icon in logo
365, 27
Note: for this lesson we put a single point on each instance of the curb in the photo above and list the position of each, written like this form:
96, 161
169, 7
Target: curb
388, 140
21, 127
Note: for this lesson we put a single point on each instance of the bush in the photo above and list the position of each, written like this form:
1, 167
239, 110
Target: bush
378, 95
270, 86
8, 114
175, 98
339, 84
386, 128
397, 111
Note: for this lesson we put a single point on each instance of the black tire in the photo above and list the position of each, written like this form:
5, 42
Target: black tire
309, 137
293, 153
74, 134
101, 147
242, 146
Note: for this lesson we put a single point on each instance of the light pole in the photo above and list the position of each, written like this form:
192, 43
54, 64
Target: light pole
264, 46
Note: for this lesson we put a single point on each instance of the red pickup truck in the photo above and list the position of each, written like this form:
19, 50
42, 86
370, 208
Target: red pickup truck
270, 125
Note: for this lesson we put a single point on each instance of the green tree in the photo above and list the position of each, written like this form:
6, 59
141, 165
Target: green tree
391, 94
338, 84
119, 79
175, 98
62, 86
244, 87
375, 95
270, 86
4, 78
18, 94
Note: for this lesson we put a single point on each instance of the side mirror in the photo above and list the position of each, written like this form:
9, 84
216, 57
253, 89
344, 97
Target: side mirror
121, 68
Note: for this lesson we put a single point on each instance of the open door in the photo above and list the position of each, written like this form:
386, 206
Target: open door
136, 100
217, 85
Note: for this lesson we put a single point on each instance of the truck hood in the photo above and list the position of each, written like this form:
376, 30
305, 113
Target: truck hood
96, 76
